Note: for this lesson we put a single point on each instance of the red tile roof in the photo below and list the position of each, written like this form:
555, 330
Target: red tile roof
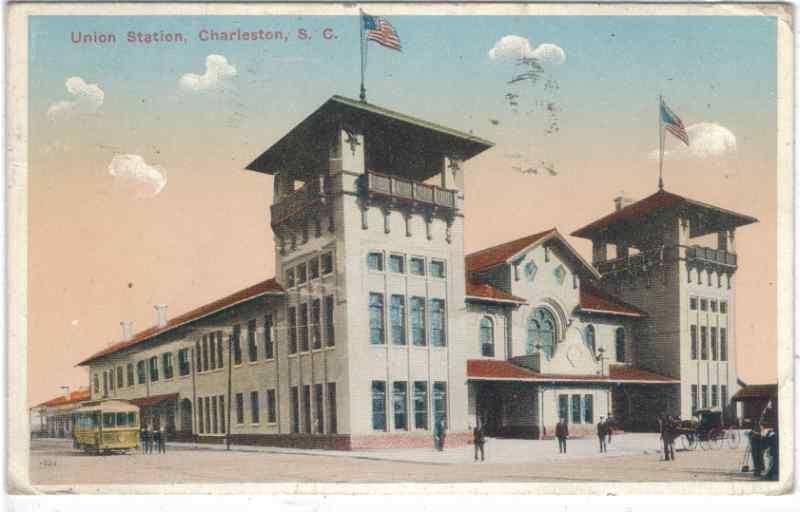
485, 291
270, 286
494, 369
492, 256
661, 200
595, 300
79, 395
756, 392
153, 400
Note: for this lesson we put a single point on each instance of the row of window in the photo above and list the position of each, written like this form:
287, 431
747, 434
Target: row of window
709, 280
422, 326
708, 304
211, 414
576, 408
715, 397
719, 352
119, 377
324, 399
309, 270
397, 265
400, 406
305, 327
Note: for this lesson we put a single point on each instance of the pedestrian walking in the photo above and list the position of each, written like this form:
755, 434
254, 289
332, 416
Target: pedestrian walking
562, 433
157, 438
439, 434
668, 429
162, 443
479, 439
602, 434
143, 439
148, 440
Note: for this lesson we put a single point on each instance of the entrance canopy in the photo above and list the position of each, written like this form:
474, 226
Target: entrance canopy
503, 371
154, 400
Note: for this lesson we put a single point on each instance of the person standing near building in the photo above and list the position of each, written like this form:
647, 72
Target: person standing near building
157, 439
439, 434
143, 439
668, 429
479, 439
602, 433
162, 443
148, 440
562, 433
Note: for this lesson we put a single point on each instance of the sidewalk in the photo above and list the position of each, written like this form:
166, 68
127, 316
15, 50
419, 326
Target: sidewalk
497, 451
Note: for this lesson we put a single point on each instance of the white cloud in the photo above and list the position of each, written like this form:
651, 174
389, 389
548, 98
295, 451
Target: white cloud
705, 140
517, 46
218, 70
87, 99
134, 169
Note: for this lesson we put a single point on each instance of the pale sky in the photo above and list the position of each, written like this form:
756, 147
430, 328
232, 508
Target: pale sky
138, 194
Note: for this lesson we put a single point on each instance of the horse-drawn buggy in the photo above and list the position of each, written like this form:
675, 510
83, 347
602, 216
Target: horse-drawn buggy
709, 431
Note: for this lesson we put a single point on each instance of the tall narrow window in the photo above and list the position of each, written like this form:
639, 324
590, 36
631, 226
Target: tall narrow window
704, 343
563, 407
269, 346
376, 318
255, 415
704, 395
417, 266
130, 374
183, 361
252, 347
220, 358
153, 368
201, 425
207, 406
398, 317
694, 398
222, 413
303, 327
205, 353
295, 397
332, 424
140, 372
330, 331
588, 409
301, 273
378, 405
292, 330
289, 278
693, 303
237, 345
212, 351
487, 337
620, 344
724, 391
307, 409
96, 380
239, 408
316, 316
272, 415
166, 359
723, 307
327, 263
418, 321
214, 416
438, 331
693, 335
437, 269
399, 405
198, 350
714, 353
590, 338
375, 261
714, 395
319, 414
120, 379
723, 344
576, 408
440, 402
420, 404
397, 264
313, 268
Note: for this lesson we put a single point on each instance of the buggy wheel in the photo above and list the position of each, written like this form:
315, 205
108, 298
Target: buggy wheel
733, 439
717, 439
704, 444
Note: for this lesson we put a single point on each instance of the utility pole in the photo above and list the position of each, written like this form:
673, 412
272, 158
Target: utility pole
230, 374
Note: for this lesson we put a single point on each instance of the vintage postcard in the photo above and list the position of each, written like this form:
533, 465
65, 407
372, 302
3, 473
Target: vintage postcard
362, 248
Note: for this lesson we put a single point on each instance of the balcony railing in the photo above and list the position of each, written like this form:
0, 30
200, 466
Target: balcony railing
649, 258
411, 191
295, 202
709, 255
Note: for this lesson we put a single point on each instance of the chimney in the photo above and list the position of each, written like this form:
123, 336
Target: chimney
161, 312
126, 329
621, 202
65, 389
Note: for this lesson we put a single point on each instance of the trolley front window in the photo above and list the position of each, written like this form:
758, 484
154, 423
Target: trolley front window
122, 419
108, 420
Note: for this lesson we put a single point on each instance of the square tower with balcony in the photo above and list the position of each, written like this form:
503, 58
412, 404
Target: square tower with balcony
380, 195
663, 266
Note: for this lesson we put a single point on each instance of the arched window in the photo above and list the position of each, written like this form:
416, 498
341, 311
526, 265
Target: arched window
620, 344
487, 337
590, 338
541, 331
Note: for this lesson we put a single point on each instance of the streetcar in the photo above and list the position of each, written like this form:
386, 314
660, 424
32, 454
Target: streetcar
106, 426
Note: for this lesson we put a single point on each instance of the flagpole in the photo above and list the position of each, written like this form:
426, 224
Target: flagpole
660, 145
363, 94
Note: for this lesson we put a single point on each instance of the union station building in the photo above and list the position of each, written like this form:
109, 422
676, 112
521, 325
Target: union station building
377, 324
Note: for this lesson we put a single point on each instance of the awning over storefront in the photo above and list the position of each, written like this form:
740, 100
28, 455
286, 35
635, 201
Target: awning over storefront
755, 393
494, 370
154, 400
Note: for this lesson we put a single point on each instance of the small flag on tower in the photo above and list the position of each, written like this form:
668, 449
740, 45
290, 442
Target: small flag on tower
673, 124
378, 29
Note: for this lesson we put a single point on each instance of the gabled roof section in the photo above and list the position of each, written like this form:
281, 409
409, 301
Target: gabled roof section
506, 252
484, 292
339, 109
598, 301
79, 395
663, 201
268, 287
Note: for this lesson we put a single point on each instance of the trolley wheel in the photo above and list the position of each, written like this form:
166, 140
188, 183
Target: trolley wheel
734, 437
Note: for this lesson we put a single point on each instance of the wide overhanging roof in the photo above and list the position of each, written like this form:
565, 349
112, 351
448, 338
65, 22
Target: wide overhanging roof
706, 218
309, 137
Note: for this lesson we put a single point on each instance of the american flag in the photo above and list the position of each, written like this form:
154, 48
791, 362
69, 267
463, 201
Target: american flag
673, 123
378, 29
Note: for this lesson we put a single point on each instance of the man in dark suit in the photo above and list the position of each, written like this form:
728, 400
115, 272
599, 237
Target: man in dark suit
479, 439
602, 433
562, 433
